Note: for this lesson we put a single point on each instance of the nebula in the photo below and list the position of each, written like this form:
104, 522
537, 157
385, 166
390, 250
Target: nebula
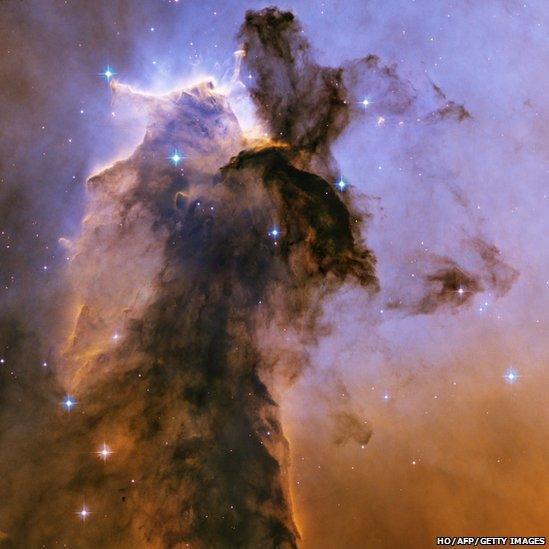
194, 252
175, 267
217, 251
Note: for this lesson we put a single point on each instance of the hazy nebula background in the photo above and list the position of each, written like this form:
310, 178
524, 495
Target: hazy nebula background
410, 409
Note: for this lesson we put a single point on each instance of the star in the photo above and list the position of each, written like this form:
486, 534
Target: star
176, 157
105, 452
69, 402
108, 73
341, 185
274, 232
511, 376
83, 513
365, 102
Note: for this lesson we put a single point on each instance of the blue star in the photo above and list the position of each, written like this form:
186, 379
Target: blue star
274, 232
69, 402
176, 157
108, 73
341, 184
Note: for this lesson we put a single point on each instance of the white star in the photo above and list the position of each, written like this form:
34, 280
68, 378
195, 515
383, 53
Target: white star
83, 513
105, 452
511, 375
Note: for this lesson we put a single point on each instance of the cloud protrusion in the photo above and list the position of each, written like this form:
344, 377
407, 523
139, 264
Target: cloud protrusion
350, 427
304, 103
446, 284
